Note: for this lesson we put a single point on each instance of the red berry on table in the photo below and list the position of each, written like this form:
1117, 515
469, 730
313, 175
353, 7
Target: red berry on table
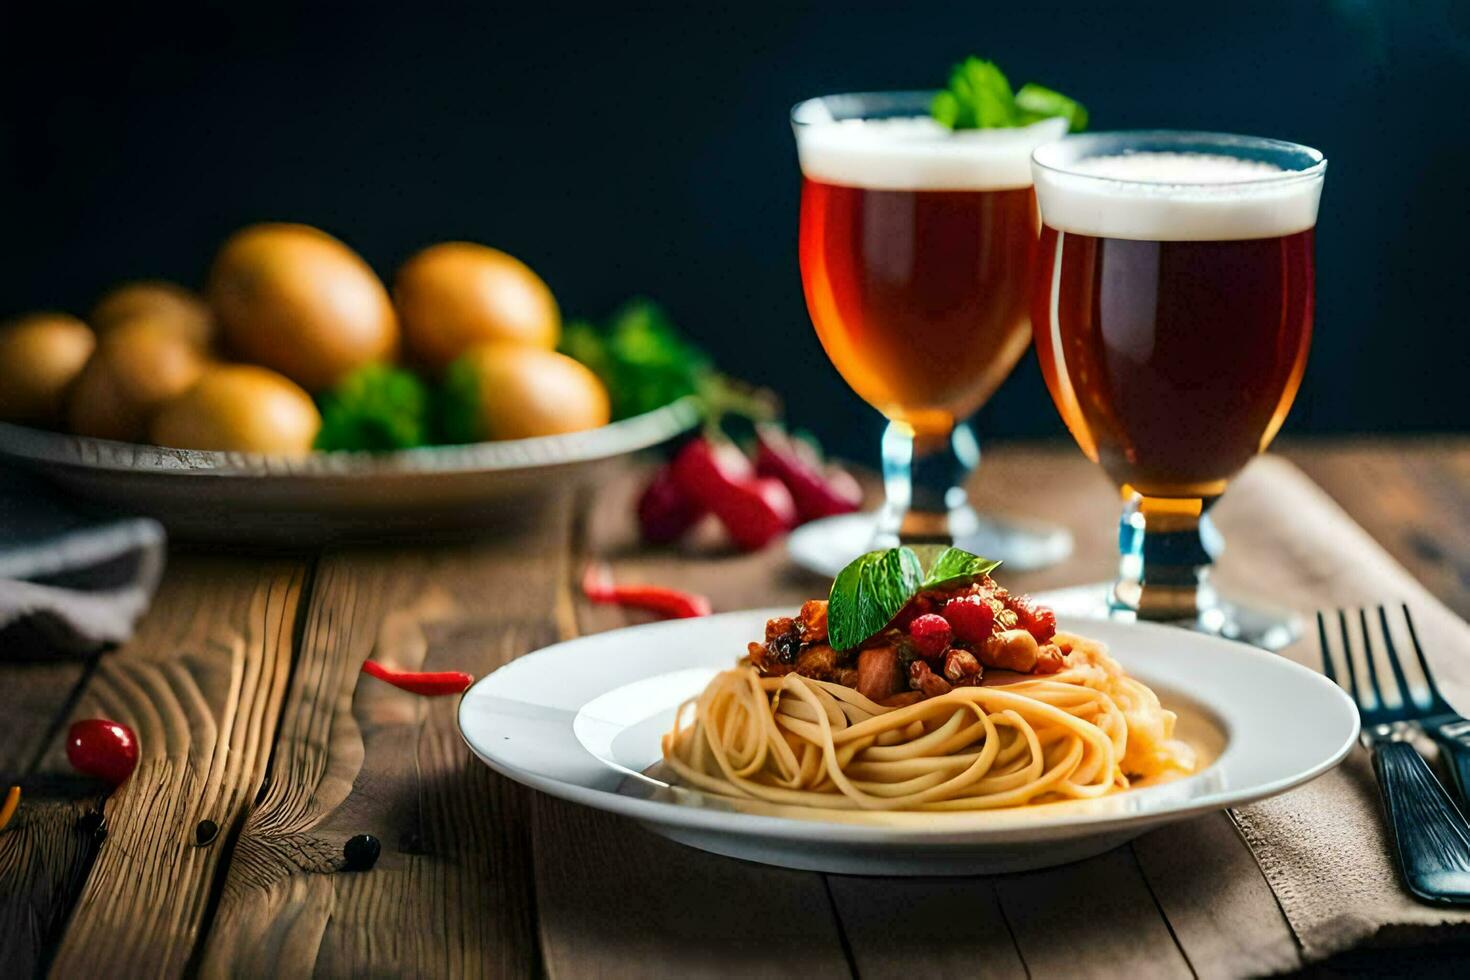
971, 618
102, 748
930, 635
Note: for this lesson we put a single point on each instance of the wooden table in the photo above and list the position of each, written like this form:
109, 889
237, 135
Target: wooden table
243, 686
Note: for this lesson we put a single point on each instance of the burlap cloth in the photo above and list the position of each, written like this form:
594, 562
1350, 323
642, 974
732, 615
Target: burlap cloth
1323, 848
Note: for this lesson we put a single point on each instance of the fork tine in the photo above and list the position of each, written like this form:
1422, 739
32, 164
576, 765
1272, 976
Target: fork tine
1437, 699
1368, 656
1327, 667
1406, 694
1347, 655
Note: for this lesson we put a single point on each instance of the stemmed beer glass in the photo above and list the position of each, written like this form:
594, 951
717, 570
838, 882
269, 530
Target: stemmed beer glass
917, 245
1172, 313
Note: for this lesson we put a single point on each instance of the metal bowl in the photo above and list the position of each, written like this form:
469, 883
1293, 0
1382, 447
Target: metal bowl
253, 498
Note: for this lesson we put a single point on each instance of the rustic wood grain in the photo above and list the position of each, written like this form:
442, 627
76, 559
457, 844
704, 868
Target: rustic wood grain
613, 900
201, 685
450, 895
42, 856
948, 927
1096, 918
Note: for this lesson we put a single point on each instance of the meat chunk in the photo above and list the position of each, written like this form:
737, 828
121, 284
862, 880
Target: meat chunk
1013, 649
961, 668
1050, 659
925, 681
819, 662
877, 673
813, 621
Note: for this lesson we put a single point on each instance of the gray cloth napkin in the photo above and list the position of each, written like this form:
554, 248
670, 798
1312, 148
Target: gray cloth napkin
70, 583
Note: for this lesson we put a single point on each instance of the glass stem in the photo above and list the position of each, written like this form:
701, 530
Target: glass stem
924, 478
1167, 547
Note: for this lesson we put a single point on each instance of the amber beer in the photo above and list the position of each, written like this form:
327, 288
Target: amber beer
1172, 327
915, 259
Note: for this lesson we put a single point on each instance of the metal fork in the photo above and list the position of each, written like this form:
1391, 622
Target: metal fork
1431, 837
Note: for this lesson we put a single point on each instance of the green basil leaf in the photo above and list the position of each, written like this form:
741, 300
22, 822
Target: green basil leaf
953, 565
868, 593
1039, 102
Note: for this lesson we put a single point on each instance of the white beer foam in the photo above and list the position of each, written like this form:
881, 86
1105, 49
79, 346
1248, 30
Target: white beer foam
915, 153
1176, 197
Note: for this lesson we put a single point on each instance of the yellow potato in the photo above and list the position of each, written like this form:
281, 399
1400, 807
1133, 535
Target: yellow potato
454, 295
298, 301
41, 355
240, 408
164, 303
521, 392
139, 365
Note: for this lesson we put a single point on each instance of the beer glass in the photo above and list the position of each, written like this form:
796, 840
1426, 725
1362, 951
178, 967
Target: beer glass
917, 244
1172, 314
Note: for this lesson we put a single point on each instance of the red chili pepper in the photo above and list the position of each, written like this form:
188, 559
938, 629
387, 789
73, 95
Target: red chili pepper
598, 585
665, 511
102, 748
718, 477
431, 684
819, 491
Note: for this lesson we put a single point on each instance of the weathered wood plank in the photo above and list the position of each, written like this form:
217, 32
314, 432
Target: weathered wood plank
944, 927
1096, 918
42, 855
450, 895
201, 685
613, 900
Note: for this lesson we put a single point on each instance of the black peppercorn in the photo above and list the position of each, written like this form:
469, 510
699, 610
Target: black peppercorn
361, 852
205, 832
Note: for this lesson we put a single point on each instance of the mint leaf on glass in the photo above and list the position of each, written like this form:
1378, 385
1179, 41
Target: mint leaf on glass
979, 96
1037, 102
952, 566
868, 593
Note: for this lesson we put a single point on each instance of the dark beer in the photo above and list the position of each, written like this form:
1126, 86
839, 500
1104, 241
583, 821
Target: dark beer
1173, 333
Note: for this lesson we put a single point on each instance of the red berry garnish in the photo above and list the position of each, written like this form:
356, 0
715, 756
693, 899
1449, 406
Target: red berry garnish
930, 635
970, 617
102, 748
1038, 620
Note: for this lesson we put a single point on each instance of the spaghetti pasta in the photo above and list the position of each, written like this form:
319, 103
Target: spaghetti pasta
1082, 732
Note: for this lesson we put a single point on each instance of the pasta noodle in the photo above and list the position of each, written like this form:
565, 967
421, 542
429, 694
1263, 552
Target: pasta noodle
1082, 732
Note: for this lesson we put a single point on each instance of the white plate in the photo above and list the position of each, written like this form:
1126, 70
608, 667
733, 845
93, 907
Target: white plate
252, 498
582, 720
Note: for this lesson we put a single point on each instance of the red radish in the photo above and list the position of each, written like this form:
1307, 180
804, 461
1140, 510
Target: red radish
818, 491
102, 748
717, 476
665, 511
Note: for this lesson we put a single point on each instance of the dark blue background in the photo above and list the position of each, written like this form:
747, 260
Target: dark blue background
648, 152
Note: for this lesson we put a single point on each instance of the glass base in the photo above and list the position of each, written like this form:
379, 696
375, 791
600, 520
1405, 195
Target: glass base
827, 545
1261, 625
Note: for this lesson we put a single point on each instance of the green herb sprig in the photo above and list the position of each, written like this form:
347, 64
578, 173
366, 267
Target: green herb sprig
979, 96
376, 407
875, 587
640, 356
